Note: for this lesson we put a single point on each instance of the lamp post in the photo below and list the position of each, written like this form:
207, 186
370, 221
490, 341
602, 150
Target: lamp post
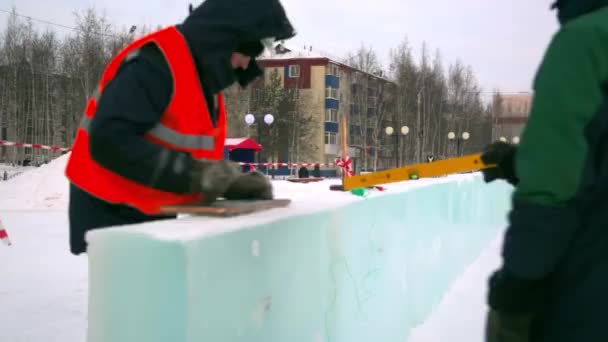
403, 132
250, 119
464, 137
515, 140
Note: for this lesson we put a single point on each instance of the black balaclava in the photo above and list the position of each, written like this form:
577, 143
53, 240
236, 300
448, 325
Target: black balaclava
571, 9
217, 28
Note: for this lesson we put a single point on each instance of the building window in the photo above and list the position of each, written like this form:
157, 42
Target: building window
333, 70
331, 115
331, 93
294, 71
331, 138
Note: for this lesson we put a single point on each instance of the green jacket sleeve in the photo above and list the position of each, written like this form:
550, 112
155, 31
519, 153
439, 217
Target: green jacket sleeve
551, 160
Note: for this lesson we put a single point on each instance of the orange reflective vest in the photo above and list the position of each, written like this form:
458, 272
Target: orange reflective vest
184, 126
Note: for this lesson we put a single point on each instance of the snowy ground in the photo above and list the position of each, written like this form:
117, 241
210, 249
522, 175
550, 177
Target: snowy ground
43, 288
461, 314
12, 171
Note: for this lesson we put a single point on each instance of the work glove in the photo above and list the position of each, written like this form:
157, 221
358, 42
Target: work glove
503, 327
212, 178
502, 155
250, 186
515, 306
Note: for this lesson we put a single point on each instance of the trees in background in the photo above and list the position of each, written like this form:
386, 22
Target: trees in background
45, 80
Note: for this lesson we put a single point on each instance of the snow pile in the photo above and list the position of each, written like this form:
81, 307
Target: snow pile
44, 187
333, 267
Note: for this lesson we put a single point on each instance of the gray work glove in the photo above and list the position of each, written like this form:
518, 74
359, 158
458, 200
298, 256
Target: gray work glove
213, 177
250, 186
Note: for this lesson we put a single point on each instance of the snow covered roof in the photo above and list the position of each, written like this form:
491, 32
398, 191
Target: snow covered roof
307, 52
290, 52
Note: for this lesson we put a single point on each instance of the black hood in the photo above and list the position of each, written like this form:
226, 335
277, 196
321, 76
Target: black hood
571, 9
217, 28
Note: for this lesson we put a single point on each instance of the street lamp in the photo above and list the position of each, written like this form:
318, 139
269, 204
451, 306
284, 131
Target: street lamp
503, 139
515, 140
268, 119
390, 131
250, 120
464, 137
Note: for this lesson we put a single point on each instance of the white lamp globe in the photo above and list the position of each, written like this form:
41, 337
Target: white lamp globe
389, 130
451, 135
268, 119
503, 139
405, 130
516, 140
466, 135
249, 119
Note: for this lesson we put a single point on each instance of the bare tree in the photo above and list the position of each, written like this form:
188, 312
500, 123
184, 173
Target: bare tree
238, 104
45, 82
372, 100
404, 72
289, 135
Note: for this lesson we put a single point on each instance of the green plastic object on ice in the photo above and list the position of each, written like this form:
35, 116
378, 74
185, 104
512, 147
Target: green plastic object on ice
359, 192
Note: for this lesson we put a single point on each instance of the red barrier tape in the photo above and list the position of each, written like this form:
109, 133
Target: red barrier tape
56, 148
36, 146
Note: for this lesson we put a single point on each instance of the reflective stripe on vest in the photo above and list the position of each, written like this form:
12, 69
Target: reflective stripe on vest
169, 136
96, 94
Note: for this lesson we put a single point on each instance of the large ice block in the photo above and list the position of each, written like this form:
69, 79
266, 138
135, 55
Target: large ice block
368, 269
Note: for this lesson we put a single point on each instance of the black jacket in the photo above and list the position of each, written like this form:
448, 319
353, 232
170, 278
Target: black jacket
134, 101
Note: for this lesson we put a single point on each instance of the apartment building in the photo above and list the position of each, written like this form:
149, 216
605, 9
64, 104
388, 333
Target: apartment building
330, 90
511, 116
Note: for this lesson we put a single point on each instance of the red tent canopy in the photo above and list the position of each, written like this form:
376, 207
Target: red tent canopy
243, 143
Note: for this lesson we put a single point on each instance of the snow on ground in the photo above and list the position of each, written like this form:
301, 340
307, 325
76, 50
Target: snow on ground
43, 288
43, 187
12, 171
461, 314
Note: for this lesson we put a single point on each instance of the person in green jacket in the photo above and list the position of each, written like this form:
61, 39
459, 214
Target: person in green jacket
553, 282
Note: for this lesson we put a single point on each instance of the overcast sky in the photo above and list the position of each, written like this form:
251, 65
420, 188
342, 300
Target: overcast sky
503, 40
